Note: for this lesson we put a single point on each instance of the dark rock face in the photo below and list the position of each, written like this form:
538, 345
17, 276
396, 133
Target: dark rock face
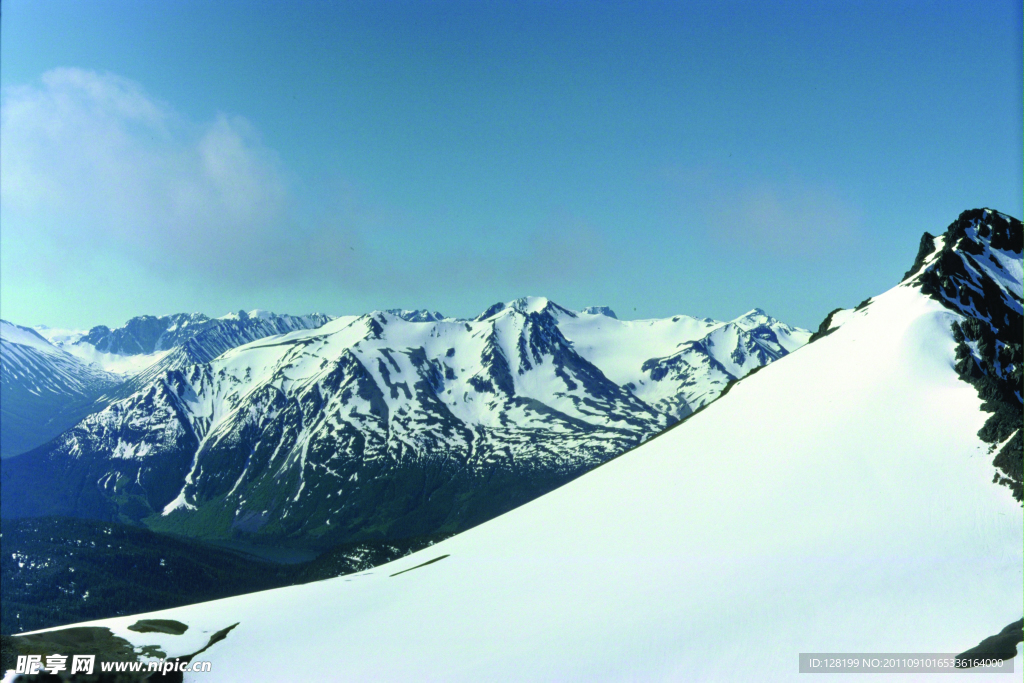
825, 328
416, 316
145, 333
971, 274
492, 310
1001, 646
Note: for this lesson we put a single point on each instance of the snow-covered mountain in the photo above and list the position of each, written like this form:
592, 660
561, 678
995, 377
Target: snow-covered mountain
173, 341
387, 425
839, 501
43, 390
679, 364
417, 316
55, 377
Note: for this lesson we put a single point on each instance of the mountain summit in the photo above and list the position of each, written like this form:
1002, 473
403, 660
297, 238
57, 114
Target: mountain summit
974, 269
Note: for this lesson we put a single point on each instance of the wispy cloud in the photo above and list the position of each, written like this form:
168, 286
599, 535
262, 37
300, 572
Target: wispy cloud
98, 163
96, 173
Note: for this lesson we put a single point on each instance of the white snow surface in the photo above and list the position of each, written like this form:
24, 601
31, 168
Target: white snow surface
16, 334
837, 501
60, 335
702, 355
31, 362
620, 347
123, 365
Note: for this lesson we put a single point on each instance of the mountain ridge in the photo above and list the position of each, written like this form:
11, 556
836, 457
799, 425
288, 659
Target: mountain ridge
262, 438
44, 388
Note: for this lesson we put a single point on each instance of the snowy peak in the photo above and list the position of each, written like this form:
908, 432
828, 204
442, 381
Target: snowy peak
975, 267
500, 408
600, 310
539, 305
772, 331
753, 318
699, 370
527, 305
974, 271
255, 313
417, 315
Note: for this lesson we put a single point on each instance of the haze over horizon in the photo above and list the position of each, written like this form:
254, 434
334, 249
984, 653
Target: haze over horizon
655, 158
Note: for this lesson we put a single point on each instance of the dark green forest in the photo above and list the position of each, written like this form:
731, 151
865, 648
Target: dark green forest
56, 571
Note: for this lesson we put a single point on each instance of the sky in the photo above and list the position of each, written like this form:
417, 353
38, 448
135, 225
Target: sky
342, 157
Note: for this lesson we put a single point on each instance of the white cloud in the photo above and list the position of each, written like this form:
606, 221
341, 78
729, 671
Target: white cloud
92, 159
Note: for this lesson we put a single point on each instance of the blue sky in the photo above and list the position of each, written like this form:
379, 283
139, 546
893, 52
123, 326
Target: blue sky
660, 158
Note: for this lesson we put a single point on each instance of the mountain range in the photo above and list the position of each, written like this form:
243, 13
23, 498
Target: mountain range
388, 425
859, 495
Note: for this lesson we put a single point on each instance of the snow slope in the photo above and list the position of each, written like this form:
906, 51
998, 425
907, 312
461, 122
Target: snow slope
125, 365
839, 500
682, 363
42, 387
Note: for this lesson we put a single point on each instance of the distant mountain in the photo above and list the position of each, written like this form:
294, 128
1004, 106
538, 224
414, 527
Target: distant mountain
679, 364
384, 425
43, 390
842, 500
600, 310
145, 334
417, 316
187, 337
54, 377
